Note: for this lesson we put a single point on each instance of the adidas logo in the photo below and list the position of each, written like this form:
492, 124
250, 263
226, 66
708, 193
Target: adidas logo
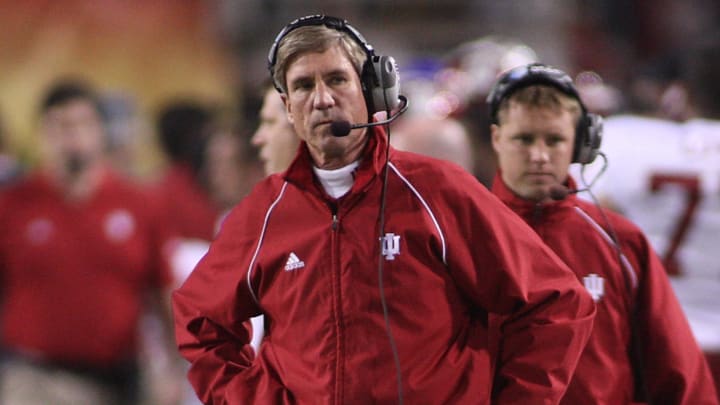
294, 263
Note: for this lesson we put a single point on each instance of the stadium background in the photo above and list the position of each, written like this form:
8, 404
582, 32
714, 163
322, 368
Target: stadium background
140, 53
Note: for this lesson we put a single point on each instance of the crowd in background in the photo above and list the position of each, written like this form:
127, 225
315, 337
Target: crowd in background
179, 116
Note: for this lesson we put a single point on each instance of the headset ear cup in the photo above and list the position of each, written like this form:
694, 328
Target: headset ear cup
383, 84
588, 139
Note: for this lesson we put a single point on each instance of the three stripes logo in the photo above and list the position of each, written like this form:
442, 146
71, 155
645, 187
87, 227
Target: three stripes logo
293, 262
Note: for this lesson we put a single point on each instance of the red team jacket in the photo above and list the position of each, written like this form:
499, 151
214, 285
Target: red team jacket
74, 275
452, 254
675, 368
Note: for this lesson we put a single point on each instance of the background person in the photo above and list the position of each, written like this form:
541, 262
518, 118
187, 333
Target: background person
540, 126
274, 137
82, 253
440, 137
184, 127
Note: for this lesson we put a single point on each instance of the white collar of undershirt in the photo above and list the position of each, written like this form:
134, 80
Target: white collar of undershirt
337, 182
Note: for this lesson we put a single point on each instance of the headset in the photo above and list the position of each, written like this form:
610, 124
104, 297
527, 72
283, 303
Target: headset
379, 76
588, 138
588, 133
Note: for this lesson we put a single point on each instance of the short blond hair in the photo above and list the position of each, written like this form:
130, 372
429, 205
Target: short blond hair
541, 96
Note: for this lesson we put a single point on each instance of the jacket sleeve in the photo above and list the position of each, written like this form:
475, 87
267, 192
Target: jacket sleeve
542, 314
211, 309
675, 369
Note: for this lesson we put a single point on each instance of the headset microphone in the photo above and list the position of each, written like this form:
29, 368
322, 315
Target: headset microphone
343, 128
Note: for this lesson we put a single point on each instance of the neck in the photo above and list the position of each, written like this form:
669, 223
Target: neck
81, 185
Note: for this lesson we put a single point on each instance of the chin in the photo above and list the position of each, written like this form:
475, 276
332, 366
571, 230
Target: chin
334, 146
535, 193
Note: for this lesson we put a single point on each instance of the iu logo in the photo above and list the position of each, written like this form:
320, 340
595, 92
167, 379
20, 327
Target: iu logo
390, 246
595, 286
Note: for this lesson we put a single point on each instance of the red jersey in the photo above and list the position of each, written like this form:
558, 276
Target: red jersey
187, 209
74, 274
673, 365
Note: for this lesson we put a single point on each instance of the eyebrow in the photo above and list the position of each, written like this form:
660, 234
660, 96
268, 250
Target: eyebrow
331, 73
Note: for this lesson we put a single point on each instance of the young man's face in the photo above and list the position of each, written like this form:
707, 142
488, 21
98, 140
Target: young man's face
323, 87
275, 137
534, 147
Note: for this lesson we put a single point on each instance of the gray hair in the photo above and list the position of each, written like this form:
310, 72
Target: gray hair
314, 38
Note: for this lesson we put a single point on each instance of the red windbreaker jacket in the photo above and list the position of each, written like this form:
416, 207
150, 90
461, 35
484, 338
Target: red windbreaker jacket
674, 367
452, 253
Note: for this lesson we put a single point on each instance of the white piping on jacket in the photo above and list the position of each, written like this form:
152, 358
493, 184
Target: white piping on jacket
260, 240
427, 208
626, 265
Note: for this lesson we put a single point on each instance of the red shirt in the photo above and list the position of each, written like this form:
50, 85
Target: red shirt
74, 274
186, 207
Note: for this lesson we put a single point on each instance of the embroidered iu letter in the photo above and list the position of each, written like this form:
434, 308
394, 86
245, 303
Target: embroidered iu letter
595, 286
390, 246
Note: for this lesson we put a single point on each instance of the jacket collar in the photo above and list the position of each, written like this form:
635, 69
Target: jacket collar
527, 208
371, 164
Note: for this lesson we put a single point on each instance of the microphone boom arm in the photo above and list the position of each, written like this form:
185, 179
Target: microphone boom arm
403, 108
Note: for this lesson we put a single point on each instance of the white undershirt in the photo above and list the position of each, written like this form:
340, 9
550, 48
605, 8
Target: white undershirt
337, 182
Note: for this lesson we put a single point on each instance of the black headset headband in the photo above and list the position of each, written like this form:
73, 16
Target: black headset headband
314, 20
530, 75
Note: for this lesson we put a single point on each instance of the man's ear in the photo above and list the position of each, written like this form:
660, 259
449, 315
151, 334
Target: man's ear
288, 111
495, 136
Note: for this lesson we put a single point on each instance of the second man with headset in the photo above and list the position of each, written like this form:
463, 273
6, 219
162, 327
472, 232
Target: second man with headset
641, 348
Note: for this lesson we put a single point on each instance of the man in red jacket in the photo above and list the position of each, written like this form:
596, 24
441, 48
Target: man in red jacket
375, 269
81, 252
641, 348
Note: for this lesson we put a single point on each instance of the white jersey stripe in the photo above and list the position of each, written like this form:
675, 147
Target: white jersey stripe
427, 208
626, 265
260, 240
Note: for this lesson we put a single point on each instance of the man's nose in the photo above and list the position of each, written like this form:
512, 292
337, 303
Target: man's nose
539, 152
258, 139
323, 96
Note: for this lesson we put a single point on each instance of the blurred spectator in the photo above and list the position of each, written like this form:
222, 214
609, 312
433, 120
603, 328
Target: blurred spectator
206, 177
598, 96
218, 178
81, 253
226, 167
656, 90
441, 138
701, 75
427, 127
274, 136
122, 129
184, 128
472, 68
